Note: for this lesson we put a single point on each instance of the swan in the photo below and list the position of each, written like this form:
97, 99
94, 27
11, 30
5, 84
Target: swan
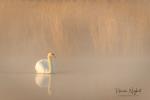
44, 66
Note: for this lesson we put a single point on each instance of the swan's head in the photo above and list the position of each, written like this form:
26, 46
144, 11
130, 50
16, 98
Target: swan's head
50, 54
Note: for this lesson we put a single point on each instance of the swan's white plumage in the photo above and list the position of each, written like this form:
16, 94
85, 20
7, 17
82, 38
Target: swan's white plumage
42, 66
45, 65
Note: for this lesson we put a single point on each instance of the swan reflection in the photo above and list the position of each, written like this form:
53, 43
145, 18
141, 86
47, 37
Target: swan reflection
44, 81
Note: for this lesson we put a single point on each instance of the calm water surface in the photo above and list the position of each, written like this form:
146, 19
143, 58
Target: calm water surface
98, 82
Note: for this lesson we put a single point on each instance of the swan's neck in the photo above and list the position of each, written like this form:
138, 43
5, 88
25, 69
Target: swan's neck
49, 63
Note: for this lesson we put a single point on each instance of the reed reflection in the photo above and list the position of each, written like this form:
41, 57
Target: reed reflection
44, 81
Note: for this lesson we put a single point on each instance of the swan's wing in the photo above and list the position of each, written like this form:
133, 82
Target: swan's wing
42, 66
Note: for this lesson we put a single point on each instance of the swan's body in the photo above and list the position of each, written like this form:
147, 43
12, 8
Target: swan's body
44, 65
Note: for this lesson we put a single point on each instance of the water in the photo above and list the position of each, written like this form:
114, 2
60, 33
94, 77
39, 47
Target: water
97, 83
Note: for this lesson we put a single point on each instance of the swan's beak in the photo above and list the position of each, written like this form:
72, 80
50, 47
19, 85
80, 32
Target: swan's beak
53, 55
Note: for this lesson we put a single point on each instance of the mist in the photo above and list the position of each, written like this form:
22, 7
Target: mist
77, 32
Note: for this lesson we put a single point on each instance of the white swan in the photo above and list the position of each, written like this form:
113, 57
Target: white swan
45, 65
